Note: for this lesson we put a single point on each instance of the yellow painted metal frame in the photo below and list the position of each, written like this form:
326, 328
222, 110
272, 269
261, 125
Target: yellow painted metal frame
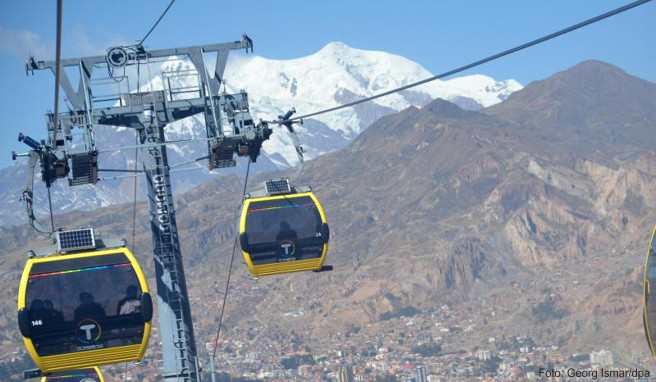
646, 291
287, 266
89, 358
100, 376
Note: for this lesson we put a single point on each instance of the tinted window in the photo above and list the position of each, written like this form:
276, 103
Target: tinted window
284, 230
650, 301
84, 308
651, 271
84, 375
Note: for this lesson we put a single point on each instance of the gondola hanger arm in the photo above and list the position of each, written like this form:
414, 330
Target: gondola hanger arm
285, 120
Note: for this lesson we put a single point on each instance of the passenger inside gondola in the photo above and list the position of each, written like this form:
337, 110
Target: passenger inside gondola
37, 309
88, 308
52, 315
286, 232
130, 303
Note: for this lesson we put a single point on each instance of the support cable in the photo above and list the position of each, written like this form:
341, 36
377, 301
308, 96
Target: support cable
52, 218
134, 196
483, 61
157, 22
299, 153
234, 249
173, 168
119, 170
147, 145
28, 194
58, 69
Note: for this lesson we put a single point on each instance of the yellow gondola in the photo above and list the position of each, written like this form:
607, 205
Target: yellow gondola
284, 232
78, 375
649, 315
84, 308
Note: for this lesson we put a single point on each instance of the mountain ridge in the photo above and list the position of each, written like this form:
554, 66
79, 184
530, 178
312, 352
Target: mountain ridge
561, 104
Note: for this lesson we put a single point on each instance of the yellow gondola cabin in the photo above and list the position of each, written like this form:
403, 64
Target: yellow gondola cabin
649, 313
84, 308
284, 232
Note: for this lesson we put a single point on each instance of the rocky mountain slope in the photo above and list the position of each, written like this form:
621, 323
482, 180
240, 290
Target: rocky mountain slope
528, 217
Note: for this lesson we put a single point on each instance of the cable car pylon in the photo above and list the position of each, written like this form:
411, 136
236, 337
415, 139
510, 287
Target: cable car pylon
230, 130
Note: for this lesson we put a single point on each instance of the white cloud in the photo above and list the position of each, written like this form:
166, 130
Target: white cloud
81, 44
23, 43
76, 43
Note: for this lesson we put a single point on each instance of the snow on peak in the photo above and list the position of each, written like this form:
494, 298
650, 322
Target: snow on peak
485, 90
338, 74
335, 47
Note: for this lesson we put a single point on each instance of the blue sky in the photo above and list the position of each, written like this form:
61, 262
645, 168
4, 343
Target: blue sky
439, 35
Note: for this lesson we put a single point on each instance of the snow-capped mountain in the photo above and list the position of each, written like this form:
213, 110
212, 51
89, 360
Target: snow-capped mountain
339, 74
334, 76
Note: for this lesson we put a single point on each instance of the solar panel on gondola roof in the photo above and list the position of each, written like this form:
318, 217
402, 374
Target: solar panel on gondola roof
276, 187
75, 239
